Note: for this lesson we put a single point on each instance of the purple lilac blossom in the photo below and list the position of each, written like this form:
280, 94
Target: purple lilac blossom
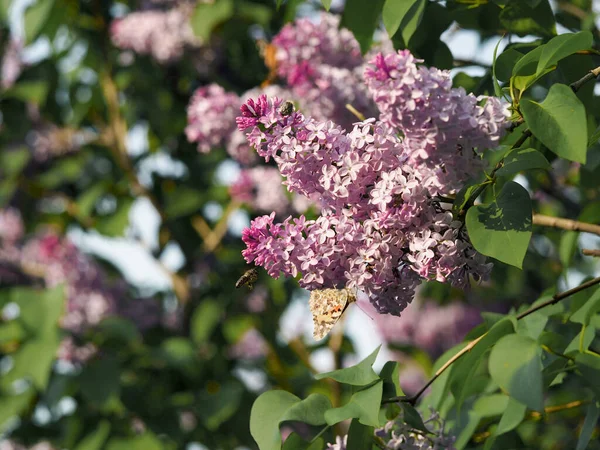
261, 188
11, 226
211, 117
162, 34
251, 346
380, 228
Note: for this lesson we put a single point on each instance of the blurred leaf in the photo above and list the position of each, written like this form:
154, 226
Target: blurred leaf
363, 405
360, 437
179, 351
412, 417
568, 247
100, 379
88, 198
520, 18
583, 339
96, 439
407, 13
235, 327
14, 161
295, 442
502, 229
591, 420
13, 405
35, 17
29, 91
273, 407
521, 159
532, 325
559, 122
587, 310
589, 367
362, 18
208, 15
506, 62
491, 405
515, 364
511, 418
11, 331
183, 201
219, 406
146, 441
358, 375
119, 329
204, 320
326, 4
560, 47
114, 224
254, 12
64, 171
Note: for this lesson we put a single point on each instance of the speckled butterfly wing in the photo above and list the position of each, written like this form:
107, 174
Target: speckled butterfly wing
327, 306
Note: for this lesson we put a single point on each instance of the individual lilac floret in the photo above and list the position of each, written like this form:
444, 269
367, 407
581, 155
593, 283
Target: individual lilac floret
340, 443
443, 127
380, 229
211, 117
162, 34
303, 45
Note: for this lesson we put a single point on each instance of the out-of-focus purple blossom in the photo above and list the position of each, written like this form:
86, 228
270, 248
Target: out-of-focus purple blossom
380, 229
162, 34
443, 127
429, 326
261, 188
303, 45
12, 63
251, 346
74, 353
51, 141
211, 117
412, 378
256, 301
11, 226
6, 444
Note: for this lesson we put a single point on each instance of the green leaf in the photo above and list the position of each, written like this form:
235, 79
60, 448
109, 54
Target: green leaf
87, 199
463, 370
95, 440
590, 422
360, 437
204, 320
363, 405
583, 339
568, 247
532, 325
220, 405
100, 380
463, 197
412, 417
326, 4
403, 14
13, 162
559, 122
521, 159
506, 63
491, 405
29, 91
562, 46
358, 375
362, 18
295, 442
520, 18
35, 17
114, 224
589, 367
13, 405
497, 88
182, 202
511, 418
390, 374
515, 364
273, 407
587, 310
502, 229
207, 16
146, 441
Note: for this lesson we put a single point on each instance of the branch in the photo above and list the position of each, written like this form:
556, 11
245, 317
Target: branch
590, 252
555, 299
565, 224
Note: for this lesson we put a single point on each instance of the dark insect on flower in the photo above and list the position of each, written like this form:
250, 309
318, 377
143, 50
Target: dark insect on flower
286, 108
248, 278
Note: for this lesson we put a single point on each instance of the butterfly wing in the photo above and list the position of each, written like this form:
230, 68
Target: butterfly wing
327, 306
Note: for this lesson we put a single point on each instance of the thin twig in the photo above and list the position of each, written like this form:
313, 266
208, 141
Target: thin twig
591, 252
565, 224
557, 408
555, 299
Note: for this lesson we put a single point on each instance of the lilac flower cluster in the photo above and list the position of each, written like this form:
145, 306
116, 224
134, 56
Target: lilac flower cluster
430, 326
90, 296
381, 229
397, 435
251, 346
162, 34
12, 63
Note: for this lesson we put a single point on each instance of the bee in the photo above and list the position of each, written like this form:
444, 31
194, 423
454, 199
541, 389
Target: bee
248, 278
286, 108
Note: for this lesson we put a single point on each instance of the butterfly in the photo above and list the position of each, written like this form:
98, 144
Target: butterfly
327, 306
248, 278
269, 54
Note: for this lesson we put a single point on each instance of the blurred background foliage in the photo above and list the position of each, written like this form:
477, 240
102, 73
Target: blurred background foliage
102, 196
